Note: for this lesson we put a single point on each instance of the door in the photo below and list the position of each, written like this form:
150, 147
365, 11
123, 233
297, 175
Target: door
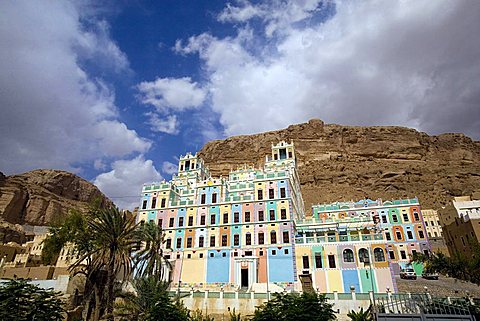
244, 278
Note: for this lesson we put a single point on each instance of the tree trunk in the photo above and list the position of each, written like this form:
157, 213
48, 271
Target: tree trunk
110, 289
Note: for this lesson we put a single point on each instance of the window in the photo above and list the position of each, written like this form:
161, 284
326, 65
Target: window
409, 235
190, 221
434, 233
388, 236
306, 263
225, 218
236, 217
180, 221
405, 217
202, 220
403, 255
260, 194
261, 238
331, 261
398, 234
271, 193
179, 242
212, 240
224, 254
201, 241
273, 237
463, 240
212, 254
171, 222
318, 260
189, 242
189, 256
416, 216
224, 240
391, 254
384, 219
286, 238
379, 255
283, 194
285, 251
154, 202
200, 255
160, 222
248, 239
214, 197
274, 252
395, 218
283, 214
433, 224
247, 217
260, 253
169, 244
261, 217
162, 203
236, 239
348, 256
363, 256
144, 204
203, 199
272, 215
212, 219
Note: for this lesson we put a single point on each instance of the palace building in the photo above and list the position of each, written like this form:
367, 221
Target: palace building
250, 229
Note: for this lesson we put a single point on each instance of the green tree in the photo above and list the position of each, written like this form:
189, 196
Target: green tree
103, 239
302, 307
149, 260
150, 301
457, 266
22, 301
361, 315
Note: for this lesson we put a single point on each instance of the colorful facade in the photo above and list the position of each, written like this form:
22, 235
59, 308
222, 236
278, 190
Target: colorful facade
250, 229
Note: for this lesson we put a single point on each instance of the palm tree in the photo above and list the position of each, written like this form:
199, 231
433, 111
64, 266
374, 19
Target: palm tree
361, 315
113, 237
150, 260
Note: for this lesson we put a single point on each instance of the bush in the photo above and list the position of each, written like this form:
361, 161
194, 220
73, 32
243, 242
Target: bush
304, 307
22, 301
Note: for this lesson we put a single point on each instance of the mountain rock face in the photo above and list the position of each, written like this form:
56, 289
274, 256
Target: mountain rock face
41, 197
343, 163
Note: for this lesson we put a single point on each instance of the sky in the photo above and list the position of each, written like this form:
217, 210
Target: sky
116, 92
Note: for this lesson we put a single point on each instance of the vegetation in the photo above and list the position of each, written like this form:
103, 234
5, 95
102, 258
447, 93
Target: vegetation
150, 302
22, 301
457, 266
150, 260
305, 306
361, 315
103, 239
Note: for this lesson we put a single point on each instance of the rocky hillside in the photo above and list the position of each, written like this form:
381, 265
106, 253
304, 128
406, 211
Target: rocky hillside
40, 197
350, 162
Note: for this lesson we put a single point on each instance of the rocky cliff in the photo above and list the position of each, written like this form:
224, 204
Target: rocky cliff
342, 163
40, 197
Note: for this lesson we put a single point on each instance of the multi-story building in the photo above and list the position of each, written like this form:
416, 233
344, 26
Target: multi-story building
347, 245
461, 224
250, 229
236, 230
434, 231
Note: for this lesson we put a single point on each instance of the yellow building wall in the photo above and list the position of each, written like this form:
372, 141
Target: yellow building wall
193, 269
335, 281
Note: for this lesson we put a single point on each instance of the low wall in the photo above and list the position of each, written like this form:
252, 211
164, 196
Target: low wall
219, 303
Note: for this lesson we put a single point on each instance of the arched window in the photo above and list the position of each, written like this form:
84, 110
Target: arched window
273, 237
363, 255
379, 255
348, 256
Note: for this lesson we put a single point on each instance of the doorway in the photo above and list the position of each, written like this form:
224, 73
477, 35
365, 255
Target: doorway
244, 278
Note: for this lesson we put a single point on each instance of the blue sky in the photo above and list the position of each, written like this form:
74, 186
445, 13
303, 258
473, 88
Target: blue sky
115, 92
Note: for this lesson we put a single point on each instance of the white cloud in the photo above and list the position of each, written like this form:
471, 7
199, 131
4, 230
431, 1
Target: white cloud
172, 93
123, 184
163, 124
411, 63
169, 168
54, 114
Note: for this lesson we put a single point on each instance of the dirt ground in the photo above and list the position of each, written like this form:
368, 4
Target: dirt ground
444, 286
